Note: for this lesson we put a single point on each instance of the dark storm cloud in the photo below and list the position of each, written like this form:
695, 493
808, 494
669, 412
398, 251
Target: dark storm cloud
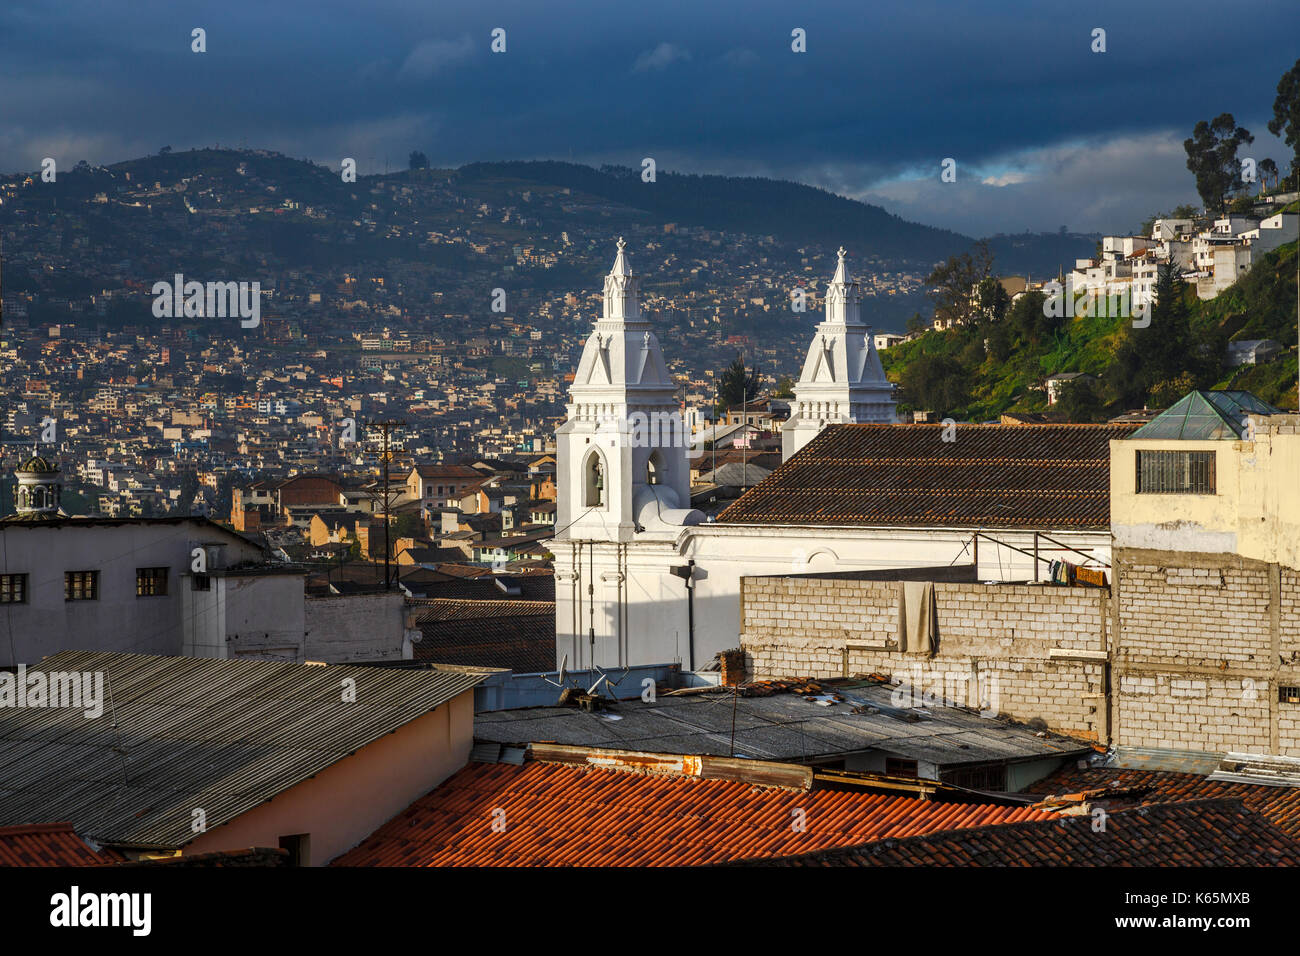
1045, 132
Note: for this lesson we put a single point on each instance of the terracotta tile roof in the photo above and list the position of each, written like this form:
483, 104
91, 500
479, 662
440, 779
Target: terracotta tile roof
530, 586
49, 844
519, 635
560, 815
1281, 805
1197, 833
464, 472
1008, 476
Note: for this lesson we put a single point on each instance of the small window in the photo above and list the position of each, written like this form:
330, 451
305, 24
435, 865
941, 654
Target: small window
1175, 472
979, 778
898, 767
1288, 695
150, 582
201, 582
81, 585
13, 589
299, 847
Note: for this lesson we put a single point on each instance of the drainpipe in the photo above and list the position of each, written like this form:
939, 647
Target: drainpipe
687, 573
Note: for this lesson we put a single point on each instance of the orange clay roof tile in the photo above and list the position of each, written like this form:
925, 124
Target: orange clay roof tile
559, 815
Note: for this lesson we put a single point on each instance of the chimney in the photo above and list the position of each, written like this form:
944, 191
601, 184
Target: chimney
733, 667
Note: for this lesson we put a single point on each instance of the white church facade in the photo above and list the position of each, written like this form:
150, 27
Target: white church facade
642, 578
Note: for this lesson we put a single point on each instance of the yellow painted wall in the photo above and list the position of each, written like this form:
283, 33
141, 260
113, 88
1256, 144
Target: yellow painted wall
1255, 512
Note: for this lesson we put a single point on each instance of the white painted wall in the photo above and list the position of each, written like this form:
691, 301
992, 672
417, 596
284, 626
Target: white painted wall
640, 609
357, 627
118, 620
248, 616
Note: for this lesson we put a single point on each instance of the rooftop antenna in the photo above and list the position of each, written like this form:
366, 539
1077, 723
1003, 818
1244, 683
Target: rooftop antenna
564, 666
604, 679
117, 740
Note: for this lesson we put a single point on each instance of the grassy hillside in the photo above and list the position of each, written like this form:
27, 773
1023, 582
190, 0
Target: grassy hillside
977, 372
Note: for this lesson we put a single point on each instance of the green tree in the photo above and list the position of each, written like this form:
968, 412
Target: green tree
955, 281
1000, 342
936, 382
408, 525
1162, 351
993, 300
917, 323
418, 160
1268, 170
1286, 114
1080, 400
1028, 319
189, 488
1165, 393
737, 385
1212, 159
784, 387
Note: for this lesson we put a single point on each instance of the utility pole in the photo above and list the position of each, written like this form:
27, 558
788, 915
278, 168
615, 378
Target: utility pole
744, 420
387, 456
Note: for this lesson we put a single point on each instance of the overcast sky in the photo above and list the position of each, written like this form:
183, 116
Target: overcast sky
1045, 132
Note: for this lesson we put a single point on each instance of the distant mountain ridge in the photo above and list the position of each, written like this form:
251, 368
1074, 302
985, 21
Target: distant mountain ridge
793, 211
795, 215
741, 204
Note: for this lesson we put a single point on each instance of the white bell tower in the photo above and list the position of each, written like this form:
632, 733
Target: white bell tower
621, 462
842, 379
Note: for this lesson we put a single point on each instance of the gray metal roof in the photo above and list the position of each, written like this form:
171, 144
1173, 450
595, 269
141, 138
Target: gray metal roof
1260, 769
220, 735
781, 727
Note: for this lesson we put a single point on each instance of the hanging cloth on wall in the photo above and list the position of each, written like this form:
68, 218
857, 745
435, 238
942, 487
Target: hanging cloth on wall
918, 625
1096, 577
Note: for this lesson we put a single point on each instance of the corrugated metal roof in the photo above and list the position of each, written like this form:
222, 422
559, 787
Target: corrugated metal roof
782, 727
220, 735
1159, 758
1266, 770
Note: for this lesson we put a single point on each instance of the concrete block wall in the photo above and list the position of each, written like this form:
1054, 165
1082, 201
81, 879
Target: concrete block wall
1202, 643
1003, 647
1197, 646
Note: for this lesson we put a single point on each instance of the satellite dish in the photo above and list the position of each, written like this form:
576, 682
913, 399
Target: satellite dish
564, 666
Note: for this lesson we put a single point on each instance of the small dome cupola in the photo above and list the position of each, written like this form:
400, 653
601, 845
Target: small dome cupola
39, 489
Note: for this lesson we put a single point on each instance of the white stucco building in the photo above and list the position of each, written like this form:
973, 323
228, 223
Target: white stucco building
135, 585
641, 578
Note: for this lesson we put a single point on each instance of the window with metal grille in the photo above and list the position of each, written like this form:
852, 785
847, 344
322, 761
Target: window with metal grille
13, 589
81, 585
1175, 472
1288, 695
150, 582
898, 767
978, 778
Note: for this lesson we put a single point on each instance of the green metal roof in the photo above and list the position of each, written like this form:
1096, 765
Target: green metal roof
1202, 415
